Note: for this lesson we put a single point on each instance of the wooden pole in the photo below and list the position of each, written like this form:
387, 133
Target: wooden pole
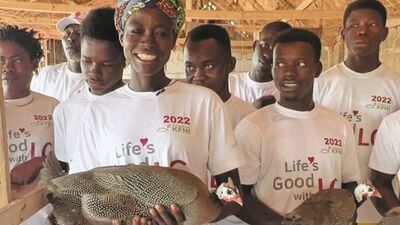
4, 163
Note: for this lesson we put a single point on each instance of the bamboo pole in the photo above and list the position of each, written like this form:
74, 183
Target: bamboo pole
4, 163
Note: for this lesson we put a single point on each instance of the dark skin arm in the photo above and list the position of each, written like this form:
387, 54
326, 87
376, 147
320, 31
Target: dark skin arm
383, 182
263, 101
350, 186
256, 212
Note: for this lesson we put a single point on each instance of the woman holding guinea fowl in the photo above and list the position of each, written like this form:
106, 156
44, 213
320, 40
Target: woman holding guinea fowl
156, 121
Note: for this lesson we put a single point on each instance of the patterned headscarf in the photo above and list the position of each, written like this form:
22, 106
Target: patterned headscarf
125, 8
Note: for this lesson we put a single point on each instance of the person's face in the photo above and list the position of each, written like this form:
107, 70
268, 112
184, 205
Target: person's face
294, 69
363, 32
16, 66
102, 64
71, 42
206, 64
262, 56
148, 39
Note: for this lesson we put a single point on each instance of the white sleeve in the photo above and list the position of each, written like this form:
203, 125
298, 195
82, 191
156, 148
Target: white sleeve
59, 134
385, 154
315, 90
39, 80
249, 140
224, 152
350, 164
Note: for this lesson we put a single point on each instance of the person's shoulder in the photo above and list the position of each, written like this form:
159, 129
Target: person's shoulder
52, 68
242, 104
237, 76
44, 98
196, 91
392, 119
261, 115
330, 115
333, 71
389, 73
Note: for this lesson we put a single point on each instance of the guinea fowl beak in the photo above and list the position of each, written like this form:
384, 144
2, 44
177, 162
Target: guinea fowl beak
376, 194
238, 200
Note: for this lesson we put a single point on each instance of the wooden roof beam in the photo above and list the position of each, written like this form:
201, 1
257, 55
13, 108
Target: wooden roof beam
304, 5
274, 15
43, 7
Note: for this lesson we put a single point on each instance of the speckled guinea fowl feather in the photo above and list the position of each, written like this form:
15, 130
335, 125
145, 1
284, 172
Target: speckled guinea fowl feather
391, 217
119, 192
327, 207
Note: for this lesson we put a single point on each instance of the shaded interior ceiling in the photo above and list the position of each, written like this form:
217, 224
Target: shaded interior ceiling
242, 18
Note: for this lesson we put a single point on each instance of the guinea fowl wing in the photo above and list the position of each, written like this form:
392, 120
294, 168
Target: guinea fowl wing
327, 207
392, 217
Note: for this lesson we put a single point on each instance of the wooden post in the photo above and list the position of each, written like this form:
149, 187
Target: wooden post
4, 163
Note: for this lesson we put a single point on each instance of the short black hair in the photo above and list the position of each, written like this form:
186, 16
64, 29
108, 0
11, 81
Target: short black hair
294, 34
99, 24
277, 26
207, 31
24, 38
366, 4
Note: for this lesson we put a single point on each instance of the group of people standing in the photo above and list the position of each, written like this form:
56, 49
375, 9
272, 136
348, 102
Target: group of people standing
281, 132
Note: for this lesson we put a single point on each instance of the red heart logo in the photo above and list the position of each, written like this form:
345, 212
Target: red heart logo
22, 130
143, 141
311, 159
355, 112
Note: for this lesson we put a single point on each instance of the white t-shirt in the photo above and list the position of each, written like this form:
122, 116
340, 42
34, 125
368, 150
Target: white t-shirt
58, 82
184, 126
249, 90
362, 98
237, 109
291, 154
68, 124
385, 156
29, 125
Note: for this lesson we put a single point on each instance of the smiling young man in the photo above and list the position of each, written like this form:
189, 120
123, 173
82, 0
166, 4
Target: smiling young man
63, 80
208, 62
293, 148
102, 62
257, 84
362, 89
29, 122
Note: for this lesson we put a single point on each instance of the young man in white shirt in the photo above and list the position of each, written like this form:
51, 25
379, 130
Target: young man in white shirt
63, 80
362, 89
208, 62
293, 148
385, 162
257, 86
102, 62
29, 123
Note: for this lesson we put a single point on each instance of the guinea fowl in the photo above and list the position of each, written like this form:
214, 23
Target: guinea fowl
104, 194
330, 207
327, 207
391, 217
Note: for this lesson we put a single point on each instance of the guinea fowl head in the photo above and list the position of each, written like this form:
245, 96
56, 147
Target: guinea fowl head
364, 191
228, 192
